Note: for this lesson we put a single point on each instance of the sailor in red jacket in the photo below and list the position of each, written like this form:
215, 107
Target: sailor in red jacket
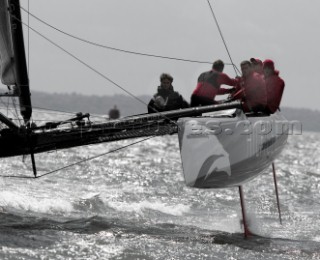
209, 85
274, 84
252, 91
257, 65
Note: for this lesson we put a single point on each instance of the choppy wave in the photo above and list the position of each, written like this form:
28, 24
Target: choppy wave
134, 204
173, 233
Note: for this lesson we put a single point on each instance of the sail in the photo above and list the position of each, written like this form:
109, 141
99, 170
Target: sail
7, 66
13, 67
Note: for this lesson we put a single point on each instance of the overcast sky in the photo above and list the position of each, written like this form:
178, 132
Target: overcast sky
286, 31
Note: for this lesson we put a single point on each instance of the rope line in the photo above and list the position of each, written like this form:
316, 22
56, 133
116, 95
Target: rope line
11, 109
113, 48
47, 111
76, 163
93, 69
52, 111
223, 40
15, 109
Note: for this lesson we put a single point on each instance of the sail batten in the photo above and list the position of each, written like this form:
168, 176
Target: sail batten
13, 65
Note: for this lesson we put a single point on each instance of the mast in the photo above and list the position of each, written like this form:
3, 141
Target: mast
21, 72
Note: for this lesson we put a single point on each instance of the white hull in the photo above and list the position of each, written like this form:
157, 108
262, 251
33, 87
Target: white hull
225, 150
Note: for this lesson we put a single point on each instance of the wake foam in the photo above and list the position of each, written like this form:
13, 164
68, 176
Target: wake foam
13, 201
175, 210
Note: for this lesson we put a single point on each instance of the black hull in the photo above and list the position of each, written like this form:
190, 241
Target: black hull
14, 144
78, 132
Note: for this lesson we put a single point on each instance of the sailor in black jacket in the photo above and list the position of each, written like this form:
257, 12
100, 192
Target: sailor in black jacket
166, 98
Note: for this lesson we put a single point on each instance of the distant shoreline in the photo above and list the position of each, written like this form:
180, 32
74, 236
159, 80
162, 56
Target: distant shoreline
310, 119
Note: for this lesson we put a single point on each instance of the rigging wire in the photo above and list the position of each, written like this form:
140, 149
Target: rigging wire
91, 68
113, 48
14, 103
92, 43
52, 111
5, 106
12, 109
78, 162
49, 111
15, 109
221, 35
61, 112
100, 45
81, 61
105, 77
46, 111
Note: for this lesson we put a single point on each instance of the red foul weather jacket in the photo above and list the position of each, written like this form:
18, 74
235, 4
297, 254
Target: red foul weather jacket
275, 87
209, 84
253, 92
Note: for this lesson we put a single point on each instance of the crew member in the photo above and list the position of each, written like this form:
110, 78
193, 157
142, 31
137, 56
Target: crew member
114, 113
252, 91
257, 65
166, 98
274, 84
209, 85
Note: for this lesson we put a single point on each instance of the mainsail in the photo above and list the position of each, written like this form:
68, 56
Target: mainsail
13, 67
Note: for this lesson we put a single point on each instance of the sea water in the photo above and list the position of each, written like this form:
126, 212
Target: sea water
134, 204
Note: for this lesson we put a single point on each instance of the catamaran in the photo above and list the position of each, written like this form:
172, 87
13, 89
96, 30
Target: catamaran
220, 145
